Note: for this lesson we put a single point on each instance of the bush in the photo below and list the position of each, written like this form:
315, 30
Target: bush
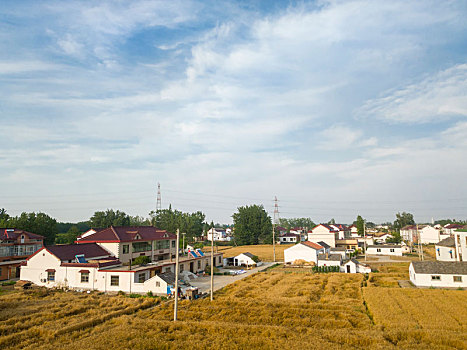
8, 283
149, 294
208, 269
141, 260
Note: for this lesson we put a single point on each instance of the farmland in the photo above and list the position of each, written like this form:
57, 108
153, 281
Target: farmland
273, 309
263, 251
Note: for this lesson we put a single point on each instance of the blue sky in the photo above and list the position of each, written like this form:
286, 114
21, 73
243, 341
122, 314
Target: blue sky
338, 108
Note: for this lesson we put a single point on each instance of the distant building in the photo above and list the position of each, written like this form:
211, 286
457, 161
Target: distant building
354, 266
219, 234
289, 238
15, 246
329, 259
385, 249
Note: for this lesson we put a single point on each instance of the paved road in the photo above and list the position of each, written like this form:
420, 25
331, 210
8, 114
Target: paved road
204, 283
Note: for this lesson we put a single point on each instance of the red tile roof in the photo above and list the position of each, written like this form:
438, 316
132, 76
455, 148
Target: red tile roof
127, 234
313, 245
13, 234
69, 251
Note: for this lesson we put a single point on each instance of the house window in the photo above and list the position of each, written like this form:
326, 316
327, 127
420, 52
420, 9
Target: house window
199, 264
457, 278
158, 284
114, 280
84, 277
173, 244
435, 277
141, 278
141, 247
126, 249
220, 260
392, 250
181, 268
51, 276
378, 250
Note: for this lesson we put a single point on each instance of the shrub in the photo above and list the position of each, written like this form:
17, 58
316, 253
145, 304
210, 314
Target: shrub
141, 260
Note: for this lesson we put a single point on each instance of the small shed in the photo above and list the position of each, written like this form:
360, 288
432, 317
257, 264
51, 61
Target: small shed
305, 251
355, 266
245, 259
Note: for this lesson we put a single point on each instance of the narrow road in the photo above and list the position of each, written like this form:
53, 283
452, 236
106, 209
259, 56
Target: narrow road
220, 281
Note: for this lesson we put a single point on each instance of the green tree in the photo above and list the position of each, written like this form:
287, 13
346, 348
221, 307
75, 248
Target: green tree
252, 225
360, 223
332, 222
296, 222
4, 218
171, 220
103, 219
403, 219
396, 238
39, 223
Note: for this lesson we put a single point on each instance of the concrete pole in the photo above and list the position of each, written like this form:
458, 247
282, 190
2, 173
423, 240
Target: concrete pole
176, 276
274, 241
212, 267
364, 236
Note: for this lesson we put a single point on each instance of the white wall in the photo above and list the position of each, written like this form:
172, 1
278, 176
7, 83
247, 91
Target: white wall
446, 281
301, 252
429, 234
243, 259
35, 270
442, 253
461, 245
384, 251
328, 263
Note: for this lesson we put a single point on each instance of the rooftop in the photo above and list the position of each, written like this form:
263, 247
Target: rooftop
69, 251
440, 267
312, 245
447, 242
127, 234
13, 234
330, 257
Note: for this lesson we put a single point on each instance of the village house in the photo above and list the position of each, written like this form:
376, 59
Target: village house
100, 260
442, 274
354, 266
289, 238
446, 250
409, 233
15, 246
460, 240
339, 250
246, 259
126, 243
219, 234
449, 229
304, 251
385, 249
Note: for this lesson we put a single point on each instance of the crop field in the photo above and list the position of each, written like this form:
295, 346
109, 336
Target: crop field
262, 251
275, 309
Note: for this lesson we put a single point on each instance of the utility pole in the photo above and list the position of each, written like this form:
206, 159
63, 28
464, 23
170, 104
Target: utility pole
183, 244
418, 243
275, 222
176, 277
212, 265
159, 200
364, 236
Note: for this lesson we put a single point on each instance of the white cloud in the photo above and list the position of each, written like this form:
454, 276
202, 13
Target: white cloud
437, 97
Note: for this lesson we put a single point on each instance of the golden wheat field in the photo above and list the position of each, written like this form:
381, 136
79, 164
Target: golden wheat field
268, 310
263, 251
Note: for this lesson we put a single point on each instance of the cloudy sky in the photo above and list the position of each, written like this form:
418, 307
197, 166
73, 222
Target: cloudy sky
338, 108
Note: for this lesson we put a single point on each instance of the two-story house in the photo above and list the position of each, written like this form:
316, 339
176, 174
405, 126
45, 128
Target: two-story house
15, 246
126, 243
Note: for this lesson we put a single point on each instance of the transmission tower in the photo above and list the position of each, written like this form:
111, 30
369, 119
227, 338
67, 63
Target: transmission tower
159, 200
276, 211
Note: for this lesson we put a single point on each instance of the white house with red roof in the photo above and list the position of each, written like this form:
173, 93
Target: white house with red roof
127, 243
306, 251
89, 266
451, 228
324, 232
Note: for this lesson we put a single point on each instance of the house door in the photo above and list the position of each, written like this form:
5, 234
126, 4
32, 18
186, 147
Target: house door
192, 266
235, 262
348, 268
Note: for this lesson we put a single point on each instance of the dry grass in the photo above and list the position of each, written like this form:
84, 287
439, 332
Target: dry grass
263, 251
269, 310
